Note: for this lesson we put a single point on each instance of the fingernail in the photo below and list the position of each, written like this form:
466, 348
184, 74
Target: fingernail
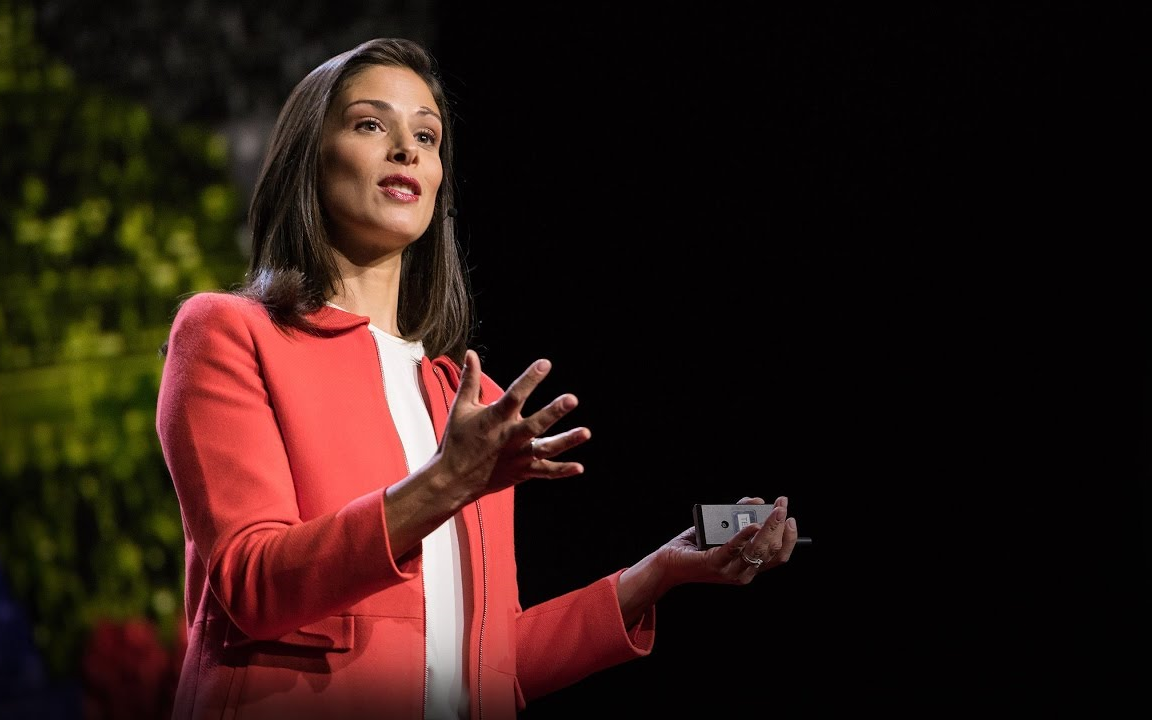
543, 365
780, 513
791, 523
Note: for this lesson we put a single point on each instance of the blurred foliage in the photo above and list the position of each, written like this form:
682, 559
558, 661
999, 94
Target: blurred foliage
108, 216
213, 61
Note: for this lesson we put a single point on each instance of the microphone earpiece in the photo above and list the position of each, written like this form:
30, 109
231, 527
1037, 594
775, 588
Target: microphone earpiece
452, 212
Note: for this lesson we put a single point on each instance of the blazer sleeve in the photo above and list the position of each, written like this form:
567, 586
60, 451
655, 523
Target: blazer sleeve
270, 571
565, 639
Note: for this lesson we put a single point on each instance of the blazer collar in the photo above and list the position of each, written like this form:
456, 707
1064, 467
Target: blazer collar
337, 320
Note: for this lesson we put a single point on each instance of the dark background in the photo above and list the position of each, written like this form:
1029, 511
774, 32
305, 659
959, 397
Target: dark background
849, 254
844, 253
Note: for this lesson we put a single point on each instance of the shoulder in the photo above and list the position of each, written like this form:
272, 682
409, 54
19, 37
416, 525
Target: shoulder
218, 308
216, 305
210, 318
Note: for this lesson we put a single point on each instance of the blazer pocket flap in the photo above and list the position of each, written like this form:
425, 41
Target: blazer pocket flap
336, 633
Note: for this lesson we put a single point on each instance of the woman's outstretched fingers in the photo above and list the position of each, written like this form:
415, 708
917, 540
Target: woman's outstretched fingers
470, 376
551, 413
516, 395
544, 448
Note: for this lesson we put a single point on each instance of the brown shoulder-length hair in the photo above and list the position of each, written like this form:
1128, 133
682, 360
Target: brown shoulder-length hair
292, 271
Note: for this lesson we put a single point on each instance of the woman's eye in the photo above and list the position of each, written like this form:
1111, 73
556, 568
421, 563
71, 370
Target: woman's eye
426, 137
369, 125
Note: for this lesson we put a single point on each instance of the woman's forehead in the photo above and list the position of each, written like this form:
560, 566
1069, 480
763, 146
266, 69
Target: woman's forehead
393, 85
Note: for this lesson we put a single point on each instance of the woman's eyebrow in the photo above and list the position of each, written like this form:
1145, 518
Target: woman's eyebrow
384, 107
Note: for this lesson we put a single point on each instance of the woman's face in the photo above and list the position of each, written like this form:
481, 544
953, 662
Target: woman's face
380, 162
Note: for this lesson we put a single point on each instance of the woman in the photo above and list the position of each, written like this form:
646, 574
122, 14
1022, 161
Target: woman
346, 470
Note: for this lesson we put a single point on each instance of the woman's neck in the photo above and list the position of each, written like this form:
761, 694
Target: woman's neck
373, 291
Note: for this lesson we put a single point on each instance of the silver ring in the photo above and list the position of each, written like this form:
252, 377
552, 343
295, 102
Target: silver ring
532, 445
757, 562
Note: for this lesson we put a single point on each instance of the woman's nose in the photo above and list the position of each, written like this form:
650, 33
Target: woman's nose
403, 151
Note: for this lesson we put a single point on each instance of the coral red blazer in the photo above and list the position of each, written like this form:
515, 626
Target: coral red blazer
280, 445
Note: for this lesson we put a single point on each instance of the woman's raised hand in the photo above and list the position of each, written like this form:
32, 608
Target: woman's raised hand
488, 448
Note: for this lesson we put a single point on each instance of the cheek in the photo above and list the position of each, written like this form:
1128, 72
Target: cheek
338, 182
335, 169
327, 174
343, 162
436, 178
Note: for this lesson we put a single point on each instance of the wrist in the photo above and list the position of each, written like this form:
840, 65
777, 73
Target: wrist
641, 585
